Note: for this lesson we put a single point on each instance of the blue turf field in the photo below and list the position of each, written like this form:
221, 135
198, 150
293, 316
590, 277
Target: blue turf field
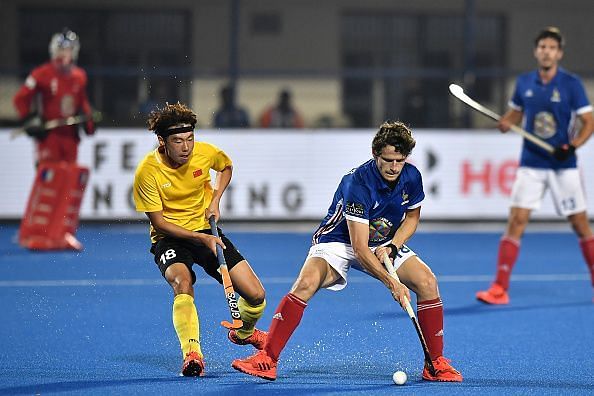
99, 322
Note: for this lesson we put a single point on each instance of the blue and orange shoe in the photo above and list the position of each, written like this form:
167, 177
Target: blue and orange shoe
193, 365
259, 365
496, 295
257, 339
443, 371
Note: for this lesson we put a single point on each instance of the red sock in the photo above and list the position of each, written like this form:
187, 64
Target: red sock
430, 314
587, 245
284, 322
508, 254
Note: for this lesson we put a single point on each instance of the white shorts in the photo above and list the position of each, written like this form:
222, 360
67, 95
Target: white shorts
565, 185
341, 257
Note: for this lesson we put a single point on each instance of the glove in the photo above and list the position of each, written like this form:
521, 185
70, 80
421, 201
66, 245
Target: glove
393, 250
563, 152
36, 131
89, 127
33, 126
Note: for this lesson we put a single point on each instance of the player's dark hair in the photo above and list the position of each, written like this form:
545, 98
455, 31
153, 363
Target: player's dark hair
393, 133
550, 32
170, 119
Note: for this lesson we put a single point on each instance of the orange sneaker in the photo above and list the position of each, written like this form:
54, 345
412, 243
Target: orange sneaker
257, 339
193, 365
259, 365
444, 371
496, 295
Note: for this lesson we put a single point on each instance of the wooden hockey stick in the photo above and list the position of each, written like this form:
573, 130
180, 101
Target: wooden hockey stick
227, 285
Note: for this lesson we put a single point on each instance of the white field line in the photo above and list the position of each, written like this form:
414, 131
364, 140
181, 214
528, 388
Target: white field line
280, 280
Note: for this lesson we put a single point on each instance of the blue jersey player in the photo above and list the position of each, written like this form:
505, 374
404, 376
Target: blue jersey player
375, 210
549, 100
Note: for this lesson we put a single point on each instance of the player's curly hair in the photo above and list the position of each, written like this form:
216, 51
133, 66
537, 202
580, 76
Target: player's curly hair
550, 32
162, 119
393, 133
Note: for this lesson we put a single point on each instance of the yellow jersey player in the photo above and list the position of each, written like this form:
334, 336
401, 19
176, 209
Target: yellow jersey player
172, 185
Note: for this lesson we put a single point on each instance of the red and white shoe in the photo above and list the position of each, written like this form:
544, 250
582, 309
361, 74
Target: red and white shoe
496, 295
443, 371
193, 365
257, 339
259, 365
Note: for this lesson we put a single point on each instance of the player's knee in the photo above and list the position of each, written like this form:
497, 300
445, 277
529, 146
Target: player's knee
306, 285
258, 298
580, 224
427, 283
181, 285
519, 220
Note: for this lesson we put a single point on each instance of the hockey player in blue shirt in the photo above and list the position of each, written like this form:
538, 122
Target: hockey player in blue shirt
375, 210
548, 100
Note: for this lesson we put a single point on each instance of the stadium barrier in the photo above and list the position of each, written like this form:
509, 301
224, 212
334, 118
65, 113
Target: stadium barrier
292, 174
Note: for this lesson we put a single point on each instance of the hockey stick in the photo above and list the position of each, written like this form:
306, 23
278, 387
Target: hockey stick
96, 116
458, 92
227, 285
407, 307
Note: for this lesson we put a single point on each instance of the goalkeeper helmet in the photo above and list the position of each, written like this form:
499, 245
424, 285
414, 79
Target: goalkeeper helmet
65, 39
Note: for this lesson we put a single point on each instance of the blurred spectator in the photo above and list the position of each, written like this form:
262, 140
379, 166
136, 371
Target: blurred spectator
415, 106
229, 115
158, 92
282, 114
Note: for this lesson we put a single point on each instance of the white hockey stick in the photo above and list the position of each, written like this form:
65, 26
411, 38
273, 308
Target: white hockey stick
458, 92
392, 271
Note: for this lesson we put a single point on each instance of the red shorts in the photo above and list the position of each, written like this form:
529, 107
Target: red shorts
58, 147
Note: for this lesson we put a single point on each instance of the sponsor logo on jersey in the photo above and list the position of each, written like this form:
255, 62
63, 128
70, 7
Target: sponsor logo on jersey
354, 209
439, 333
197, 172
556, 96
67, 107
379, 229
278, 316
545, 125
375, 205
166, 185
528, 93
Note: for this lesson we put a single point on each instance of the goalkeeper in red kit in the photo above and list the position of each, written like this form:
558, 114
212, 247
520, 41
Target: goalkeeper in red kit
51, 94
53, 91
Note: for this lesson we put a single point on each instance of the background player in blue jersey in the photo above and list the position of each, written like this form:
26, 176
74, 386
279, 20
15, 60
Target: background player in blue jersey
375, 210
549, 100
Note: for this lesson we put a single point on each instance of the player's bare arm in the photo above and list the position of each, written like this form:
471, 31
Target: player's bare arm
408, 227
511, 117
359, 234
163, 226
585, 131
222, 180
